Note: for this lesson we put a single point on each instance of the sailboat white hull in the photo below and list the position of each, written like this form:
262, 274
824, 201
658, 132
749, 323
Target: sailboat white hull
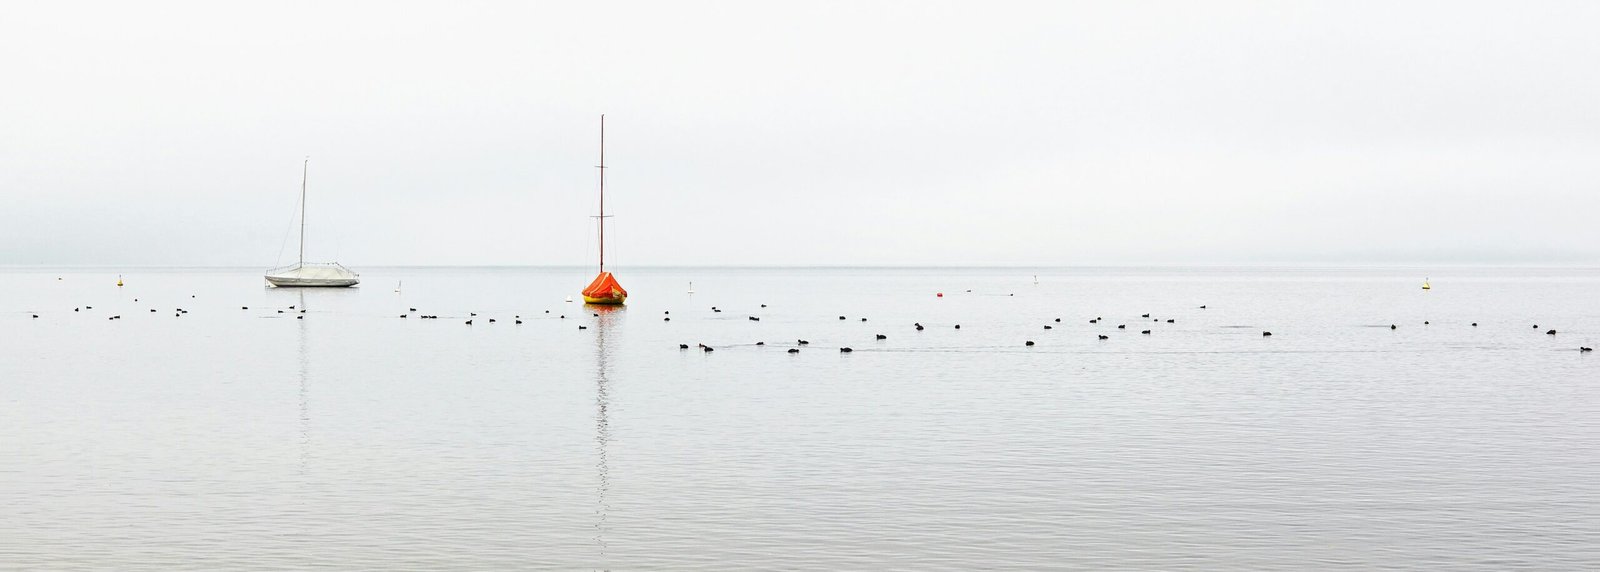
330, 275
290, 281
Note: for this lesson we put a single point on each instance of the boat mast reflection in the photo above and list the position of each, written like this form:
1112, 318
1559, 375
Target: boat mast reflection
305, 391
605, 315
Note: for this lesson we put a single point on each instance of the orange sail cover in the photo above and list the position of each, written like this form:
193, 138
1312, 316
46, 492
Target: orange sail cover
604, 290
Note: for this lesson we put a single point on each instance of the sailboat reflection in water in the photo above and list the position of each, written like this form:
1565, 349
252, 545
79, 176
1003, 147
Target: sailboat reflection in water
602, 429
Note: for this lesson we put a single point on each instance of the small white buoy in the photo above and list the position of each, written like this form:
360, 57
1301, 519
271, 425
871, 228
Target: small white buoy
691, 287
569, 298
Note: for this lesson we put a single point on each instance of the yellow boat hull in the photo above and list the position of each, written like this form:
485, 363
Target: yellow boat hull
605, 301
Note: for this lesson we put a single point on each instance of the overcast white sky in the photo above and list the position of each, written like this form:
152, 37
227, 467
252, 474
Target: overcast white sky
768, 133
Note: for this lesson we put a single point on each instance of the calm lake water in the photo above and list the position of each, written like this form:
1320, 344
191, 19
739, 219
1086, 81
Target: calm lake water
230, 438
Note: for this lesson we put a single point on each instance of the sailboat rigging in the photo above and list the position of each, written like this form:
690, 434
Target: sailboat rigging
604, 289
312, 274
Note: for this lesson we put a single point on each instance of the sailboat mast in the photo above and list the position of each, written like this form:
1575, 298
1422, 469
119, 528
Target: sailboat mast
602, 192
304, 168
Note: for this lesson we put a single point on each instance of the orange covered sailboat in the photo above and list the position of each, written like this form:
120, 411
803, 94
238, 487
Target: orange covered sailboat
604, 289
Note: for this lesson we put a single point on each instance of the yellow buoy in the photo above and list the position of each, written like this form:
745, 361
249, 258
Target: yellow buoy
119, 279
1425, 285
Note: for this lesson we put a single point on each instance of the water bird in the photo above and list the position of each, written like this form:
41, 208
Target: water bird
1551, 332
1202, 306
761, 343
280, 311
706, 348
841, 317
563, 316
958, 326
402, 315
88, 307
1170, 321
1094, 321
863, 319
716, 310
794, 350
1585, 349
1474, 324
1029, 343
683, 346
1536, 326
1122, 326
547, 311
1393, 327
919, 327
763, 305
491, 320
240, 307
1047, 326
152, 310
1145, 316
582, 327
413, 309
299, 317
666, 319
1425, 322
802, 342
1145, 332
519, 322
291, 307
136, 299
880, 336
35, 315
1058, 320
1104, 337
1265, 334
596, 314
74, 309
845, 350
752, 318
469, 322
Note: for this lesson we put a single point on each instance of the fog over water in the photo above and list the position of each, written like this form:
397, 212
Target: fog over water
803, 133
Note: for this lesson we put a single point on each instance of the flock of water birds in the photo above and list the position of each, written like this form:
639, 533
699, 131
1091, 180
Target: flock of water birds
300, 313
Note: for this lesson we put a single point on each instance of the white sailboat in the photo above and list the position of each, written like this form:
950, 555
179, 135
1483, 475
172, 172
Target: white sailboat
327, 274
